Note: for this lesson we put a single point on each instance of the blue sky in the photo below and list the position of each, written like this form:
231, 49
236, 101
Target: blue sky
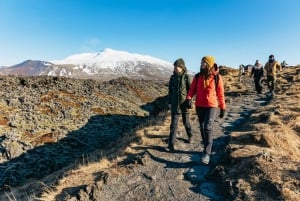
234, 31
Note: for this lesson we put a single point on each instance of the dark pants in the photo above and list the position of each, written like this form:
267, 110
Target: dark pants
257, 84
174, 124
271, 80
206, 117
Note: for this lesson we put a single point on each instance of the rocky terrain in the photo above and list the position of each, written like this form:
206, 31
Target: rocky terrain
66, 139
47, 123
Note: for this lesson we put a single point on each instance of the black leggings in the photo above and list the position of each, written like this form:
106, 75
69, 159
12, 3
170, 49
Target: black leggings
258, 86
206, 117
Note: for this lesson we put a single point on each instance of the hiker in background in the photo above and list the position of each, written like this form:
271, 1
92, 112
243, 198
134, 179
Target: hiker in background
284, 64
208, 87
179, 85
241, 72
257, 72
271, 68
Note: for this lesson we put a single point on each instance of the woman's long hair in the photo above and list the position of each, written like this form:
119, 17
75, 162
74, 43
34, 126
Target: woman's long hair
207, 72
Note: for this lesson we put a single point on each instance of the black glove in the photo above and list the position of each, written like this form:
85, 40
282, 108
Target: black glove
222, 113
189, 103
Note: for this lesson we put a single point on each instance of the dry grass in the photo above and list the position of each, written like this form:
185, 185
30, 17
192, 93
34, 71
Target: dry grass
265, 155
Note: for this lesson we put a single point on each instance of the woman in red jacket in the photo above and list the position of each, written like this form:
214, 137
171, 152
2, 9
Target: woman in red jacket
209, 90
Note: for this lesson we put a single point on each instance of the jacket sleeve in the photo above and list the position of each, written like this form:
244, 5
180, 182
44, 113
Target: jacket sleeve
188, 82
262, 72
220, 93
192, 90
266, 68
252, 71
170, 91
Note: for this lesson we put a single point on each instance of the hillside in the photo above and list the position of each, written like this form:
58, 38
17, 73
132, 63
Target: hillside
256, 144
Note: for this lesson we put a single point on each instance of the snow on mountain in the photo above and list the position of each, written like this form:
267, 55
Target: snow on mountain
113, 60
104, 65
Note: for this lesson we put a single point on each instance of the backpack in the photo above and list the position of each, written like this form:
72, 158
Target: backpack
187, 84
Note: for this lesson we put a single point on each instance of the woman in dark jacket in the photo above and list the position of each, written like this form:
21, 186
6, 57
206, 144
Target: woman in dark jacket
257, 72
179, 85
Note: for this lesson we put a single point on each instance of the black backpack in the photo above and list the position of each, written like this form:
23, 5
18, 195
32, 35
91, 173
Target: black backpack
187, 84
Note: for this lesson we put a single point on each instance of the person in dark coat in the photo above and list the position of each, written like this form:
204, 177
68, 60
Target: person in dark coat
257, 72
179, 85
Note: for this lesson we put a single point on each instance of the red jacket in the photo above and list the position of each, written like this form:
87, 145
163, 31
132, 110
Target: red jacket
209, 96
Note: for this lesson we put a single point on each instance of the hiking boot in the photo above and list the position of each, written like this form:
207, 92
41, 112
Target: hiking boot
190, 140
170, 148
205, 159
190, 136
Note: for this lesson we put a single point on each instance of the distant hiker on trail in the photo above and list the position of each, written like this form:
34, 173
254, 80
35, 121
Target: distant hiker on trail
271, 68
241, 72
257, 72
209, 90
284, 64
179, 86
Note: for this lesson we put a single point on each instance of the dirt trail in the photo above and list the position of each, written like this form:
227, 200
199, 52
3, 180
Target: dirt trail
161, 175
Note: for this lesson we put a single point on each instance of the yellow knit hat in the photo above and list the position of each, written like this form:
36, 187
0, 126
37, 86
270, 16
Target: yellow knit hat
210, 60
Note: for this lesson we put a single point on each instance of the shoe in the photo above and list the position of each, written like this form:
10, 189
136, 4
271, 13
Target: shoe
190, 140
272, 93
205, 159
170, 148
190, 136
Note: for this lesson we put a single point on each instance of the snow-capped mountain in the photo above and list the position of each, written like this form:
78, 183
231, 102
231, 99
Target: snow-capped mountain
109, 58
104, 65
107, 64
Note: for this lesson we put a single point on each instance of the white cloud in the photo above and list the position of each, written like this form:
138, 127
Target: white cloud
91, 45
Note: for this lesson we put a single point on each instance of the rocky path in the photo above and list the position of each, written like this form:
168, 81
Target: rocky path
160, 175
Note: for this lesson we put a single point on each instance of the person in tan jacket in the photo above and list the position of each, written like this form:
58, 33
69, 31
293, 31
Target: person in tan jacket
271, 68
